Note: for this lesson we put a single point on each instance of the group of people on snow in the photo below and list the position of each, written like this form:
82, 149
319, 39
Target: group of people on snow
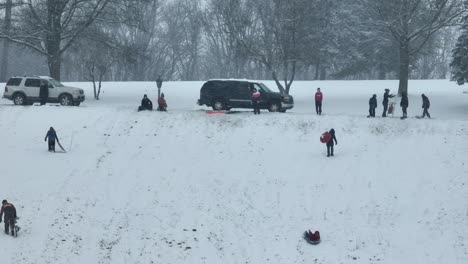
147, 105
404, 103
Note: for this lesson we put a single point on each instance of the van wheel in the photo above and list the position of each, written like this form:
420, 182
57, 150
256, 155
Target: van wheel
76, 103
65, 99
218, 104
274, 107
19, 99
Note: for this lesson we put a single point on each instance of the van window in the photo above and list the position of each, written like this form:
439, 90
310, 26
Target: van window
242, 89
14, 82
32, 83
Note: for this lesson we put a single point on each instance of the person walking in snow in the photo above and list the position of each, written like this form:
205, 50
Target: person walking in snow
162, 105
385, 101
330, 142
10, 216
372, 105
51, 136
146, 104
425, 106
256, 97
404, 105
318, 101
43, 92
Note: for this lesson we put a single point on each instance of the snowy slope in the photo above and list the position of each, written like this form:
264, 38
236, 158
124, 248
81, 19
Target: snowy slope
187, 187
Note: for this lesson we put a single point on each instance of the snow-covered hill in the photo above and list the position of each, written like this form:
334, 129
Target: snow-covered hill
187, 187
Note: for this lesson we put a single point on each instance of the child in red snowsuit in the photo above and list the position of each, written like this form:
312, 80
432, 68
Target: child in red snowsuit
162, 105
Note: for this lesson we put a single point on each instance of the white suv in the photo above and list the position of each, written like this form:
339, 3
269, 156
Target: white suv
24, 90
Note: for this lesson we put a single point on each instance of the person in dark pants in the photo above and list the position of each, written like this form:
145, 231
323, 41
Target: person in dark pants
385, 101
330, 142
372, 105
162, 105
318, 101
404, 105
52, 136
425, 106
44, 92
10, 216
256, 97
146, 104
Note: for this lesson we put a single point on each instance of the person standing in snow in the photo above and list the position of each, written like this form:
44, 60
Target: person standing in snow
51, 136
10, 216
43, 92
372, 105
385, 101
425, 106
330, 142
256, 97
162, 105
318, 101
404, 105
146, 104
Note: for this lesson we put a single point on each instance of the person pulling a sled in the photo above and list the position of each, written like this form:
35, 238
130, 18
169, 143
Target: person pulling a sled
385, 101
312, 238
51, 136
146, 104
256, 97
330, 142
425, 106
10, 216
372, 105
162, 105
404, 105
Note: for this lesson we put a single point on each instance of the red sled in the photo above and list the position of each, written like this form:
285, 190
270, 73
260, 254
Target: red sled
325, 137
214, 112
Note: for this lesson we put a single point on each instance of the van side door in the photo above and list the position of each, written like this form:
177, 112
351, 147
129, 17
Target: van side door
241, 95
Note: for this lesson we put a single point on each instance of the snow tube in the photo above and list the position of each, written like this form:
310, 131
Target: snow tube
325, 137
213, 112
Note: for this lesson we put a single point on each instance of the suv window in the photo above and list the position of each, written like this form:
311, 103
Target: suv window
14, 81
32, 83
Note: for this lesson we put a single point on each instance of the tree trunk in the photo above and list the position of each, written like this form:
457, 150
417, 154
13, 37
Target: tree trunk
404, 67
6, 42
54, 61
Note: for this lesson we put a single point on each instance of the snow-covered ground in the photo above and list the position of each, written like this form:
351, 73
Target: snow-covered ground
188, 187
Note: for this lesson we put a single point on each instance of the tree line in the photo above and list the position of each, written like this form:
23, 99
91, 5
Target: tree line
282, 40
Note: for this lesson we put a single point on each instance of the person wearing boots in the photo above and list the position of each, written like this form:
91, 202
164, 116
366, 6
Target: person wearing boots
256, 97
385, 101
162, 105
318, 101
43, 92
372, 105
51, 136
146, 104
425, 106
10, 216
330, 142
404, 105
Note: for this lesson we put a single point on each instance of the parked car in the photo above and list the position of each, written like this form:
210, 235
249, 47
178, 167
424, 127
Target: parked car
227, 94
24, 90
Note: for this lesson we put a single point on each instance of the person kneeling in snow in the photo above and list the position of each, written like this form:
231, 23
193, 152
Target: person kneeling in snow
312, 238
146, 104
162, 105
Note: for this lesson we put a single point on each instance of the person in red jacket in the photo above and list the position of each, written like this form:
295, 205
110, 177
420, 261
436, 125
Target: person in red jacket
10, 216
312, 238
162, 105
318, 101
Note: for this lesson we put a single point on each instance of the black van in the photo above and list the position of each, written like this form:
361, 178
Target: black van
227, 94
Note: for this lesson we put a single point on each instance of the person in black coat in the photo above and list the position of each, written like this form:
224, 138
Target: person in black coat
43, 92
330, 142
404, 105
372, 105
146, 104
425, 106
51, 136
10, 216
385, 101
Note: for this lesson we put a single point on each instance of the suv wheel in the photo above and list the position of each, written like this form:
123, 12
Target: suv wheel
65, 99
76, 103
19, 99
218, 104
274, 107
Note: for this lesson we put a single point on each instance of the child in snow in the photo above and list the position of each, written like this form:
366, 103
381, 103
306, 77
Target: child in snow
372, 105
330, 142
318, 101
10, 216
425, 106
313, 238
404, 105
146, 104
51, 136
256, 96
162, 105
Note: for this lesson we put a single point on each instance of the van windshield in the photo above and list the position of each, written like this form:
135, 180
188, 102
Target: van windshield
55, 83
265, 88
